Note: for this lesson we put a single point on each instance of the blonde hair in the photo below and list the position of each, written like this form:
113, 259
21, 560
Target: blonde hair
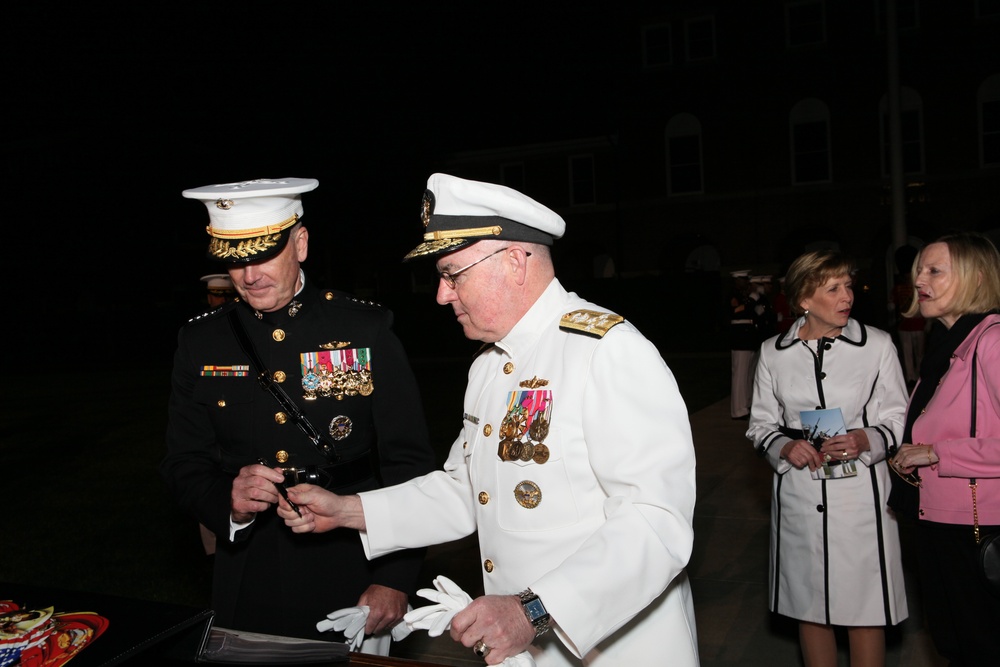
976, 265
812, 270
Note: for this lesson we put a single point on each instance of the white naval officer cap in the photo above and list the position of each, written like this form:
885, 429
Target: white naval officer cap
247, 220
218, 283
740, 274
457, 212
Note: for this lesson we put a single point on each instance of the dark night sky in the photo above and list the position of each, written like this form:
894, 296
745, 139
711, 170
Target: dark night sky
116, 111
113, 110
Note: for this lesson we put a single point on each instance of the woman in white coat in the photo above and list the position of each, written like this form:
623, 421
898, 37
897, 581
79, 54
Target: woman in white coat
835, 556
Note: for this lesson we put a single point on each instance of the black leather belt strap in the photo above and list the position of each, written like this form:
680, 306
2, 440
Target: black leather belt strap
324, 445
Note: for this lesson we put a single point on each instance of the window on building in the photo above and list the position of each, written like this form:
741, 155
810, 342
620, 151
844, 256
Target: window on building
512, 175
699, 42
805, 22
582, 189
657, 45
810, 140
989, 121
911, 128
907, 14
684, 170
986, 8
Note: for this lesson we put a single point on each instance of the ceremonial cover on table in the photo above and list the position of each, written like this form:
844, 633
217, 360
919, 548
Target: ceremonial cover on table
58, 626
45, 627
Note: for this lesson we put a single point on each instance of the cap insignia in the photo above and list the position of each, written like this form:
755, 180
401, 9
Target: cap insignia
224, 204
426, 207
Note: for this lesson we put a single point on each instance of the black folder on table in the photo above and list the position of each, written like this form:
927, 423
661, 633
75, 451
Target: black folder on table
148, 633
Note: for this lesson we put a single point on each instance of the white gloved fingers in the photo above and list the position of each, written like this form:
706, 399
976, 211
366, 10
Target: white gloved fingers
346, 611
351, 621
340, 619
435, 622
356, 628
443, 600
400, 631
441, 623
436, 618
419, 617
432, 595
449, 587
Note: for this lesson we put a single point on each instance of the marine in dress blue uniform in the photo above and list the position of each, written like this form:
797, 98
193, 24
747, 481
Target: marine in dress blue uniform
341, 365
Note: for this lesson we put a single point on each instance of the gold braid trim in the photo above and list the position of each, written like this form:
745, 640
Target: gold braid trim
589, 322
463, 233
248, 233
223, 249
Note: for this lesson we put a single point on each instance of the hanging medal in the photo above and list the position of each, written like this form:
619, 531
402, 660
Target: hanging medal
526, 426
336, 373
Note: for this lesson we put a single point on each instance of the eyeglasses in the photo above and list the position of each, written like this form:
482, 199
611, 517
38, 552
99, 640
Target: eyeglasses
911, 478
449, 276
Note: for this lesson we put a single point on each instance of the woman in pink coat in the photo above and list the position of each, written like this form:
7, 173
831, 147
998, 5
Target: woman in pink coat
957, 282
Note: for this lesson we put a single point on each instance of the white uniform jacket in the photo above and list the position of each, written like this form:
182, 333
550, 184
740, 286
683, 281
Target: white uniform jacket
835, 553
607, 543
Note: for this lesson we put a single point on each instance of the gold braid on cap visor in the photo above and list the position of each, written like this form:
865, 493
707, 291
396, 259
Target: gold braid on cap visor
448, 238
261, 239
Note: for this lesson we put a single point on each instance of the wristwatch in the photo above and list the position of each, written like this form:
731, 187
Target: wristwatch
535, 611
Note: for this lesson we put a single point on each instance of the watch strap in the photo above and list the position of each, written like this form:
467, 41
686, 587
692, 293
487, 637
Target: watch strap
535, 611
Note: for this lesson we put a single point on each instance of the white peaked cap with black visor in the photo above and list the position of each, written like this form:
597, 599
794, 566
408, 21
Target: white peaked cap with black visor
218, 283
249, 220
457, 213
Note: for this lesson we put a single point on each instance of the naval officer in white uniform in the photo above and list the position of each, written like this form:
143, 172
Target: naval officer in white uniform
574, 462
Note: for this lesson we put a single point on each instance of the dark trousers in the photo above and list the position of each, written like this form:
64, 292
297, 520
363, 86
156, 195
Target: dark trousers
963, 617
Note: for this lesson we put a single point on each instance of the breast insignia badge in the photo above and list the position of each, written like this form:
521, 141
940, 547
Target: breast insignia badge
527, 494
340, 427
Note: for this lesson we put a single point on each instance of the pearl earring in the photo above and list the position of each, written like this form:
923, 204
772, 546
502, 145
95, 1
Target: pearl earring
806, 313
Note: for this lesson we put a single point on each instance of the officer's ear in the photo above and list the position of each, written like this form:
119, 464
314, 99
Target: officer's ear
300, 240
517, 259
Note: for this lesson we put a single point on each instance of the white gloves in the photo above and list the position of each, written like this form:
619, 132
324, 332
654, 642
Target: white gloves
436, 618
449, 599
351, 621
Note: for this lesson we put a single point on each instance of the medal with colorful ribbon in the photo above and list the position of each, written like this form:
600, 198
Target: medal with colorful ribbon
336, 373
526, 425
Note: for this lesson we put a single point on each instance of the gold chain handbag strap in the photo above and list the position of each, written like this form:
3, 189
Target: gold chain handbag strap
972, 433
975, 510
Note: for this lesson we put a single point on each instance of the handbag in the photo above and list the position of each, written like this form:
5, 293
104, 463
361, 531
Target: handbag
904, 498
988, 556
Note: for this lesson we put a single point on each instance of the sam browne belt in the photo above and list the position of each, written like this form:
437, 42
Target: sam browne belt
319, 441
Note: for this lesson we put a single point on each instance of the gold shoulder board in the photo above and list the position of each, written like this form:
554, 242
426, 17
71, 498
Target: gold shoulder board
589, 322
